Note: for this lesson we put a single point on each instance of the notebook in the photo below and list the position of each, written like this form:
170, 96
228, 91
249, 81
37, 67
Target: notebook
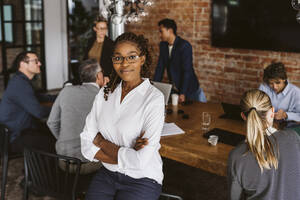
165, 88
231, 111
171, 129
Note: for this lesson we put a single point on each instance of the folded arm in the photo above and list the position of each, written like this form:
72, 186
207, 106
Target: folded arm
109, 151
125, 157
129, 158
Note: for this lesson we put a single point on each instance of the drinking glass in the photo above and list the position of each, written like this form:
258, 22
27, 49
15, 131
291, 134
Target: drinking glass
206, 119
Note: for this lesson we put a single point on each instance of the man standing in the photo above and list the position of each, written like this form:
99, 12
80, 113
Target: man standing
67, 117
20, 105
285, 96
176, 57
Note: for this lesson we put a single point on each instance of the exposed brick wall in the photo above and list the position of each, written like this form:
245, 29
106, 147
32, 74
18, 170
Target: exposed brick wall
223, 73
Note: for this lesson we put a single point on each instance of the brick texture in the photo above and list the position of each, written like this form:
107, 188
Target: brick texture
223, 73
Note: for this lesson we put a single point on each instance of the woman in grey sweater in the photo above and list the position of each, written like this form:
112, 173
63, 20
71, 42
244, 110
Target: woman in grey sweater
267, 164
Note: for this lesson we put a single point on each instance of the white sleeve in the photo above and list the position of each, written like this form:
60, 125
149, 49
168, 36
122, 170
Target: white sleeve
90, 130
129, 158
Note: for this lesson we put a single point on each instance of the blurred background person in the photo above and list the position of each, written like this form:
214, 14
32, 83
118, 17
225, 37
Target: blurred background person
100, 47
21, 109
285, 96
67, 117
267, 164
176, 59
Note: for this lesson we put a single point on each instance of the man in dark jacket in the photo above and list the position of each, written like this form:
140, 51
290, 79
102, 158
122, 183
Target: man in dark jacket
20, 105
176, 57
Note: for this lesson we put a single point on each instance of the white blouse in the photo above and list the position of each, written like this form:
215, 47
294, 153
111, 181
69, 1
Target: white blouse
142, 109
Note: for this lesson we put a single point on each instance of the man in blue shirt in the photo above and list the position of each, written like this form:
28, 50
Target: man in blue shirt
20, 105
176, 57
285, 96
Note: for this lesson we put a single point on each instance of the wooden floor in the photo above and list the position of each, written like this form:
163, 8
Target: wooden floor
15, 175
188, 182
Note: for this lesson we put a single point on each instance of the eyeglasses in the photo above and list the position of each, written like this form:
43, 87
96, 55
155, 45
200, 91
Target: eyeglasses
33, 60
130, 59
101, 29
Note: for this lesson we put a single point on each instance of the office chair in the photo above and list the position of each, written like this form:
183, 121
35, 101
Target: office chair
44, 176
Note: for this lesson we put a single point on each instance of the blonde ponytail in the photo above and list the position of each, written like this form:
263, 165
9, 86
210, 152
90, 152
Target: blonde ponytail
255, 104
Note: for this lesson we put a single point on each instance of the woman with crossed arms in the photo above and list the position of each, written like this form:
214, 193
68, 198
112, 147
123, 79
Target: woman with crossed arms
127, 107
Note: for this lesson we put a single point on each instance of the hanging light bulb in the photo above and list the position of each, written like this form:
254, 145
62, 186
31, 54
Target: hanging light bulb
149, 3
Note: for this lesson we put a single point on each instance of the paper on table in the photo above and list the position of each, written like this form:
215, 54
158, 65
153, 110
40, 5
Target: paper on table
171, 129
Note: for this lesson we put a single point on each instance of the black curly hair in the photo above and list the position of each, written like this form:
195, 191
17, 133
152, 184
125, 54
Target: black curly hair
276, 70
143, 45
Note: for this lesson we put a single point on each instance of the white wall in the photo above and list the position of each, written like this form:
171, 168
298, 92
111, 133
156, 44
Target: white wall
56, 51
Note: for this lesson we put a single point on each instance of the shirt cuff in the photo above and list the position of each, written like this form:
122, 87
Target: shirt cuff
93, 150
121, 162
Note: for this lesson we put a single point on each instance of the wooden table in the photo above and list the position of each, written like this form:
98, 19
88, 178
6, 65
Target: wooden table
192, 148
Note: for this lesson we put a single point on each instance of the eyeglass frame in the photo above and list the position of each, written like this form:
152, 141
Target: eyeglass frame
36, 60
100, 29
126, 58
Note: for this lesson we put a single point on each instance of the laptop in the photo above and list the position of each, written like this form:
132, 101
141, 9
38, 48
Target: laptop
231, 111
165, 88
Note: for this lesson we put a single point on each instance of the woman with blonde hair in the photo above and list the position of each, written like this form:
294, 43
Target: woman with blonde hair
267, 164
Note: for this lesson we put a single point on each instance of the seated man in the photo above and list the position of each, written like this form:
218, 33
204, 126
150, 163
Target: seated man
20, 106
176, 58
285, 96
67, 117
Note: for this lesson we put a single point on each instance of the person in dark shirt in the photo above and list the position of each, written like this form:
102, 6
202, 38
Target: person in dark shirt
20, 106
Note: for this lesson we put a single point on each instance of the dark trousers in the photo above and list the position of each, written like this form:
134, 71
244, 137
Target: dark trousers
40, 139
107, 185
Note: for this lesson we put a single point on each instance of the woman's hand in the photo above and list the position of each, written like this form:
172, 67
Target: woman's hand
140, 142
98, 139
280, 114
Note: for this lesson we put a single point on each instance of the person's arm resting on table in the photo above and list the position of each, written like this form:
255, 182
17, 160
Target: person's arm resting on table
27, 100
294, 115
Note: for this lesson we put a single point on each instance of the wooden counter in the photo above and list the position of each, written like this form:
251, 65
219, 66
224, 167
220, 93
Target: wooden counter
192, 148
